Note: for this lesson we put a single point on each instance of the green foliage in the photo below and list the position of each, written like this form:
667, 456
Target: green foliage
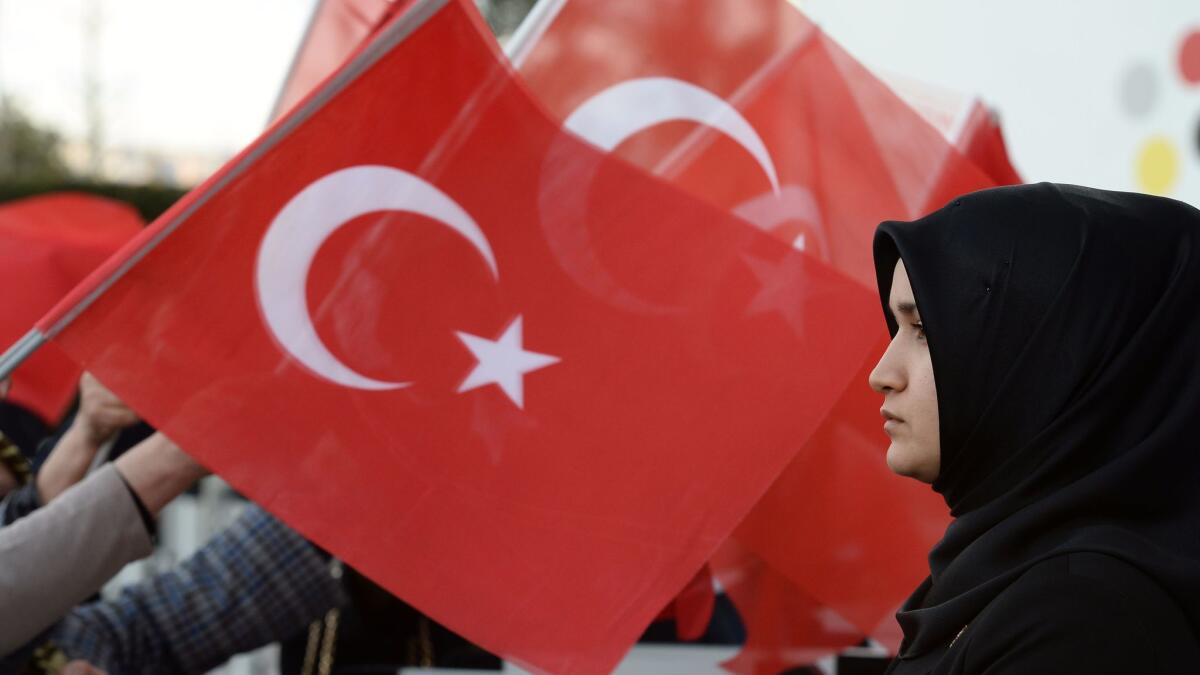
504, 15
28, 152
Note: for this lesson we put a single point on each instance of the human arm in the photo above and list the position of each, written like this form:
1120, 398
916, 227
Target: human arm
158, 471
100, 417
61, 554
256, 582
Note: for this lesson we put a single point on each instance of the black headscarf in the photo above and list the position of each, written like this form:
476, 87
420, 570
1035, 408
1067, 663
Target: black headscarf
1063, 325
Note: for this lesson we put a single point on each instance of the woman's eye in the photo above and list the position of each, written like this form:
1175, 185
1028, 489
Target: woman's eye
920, 330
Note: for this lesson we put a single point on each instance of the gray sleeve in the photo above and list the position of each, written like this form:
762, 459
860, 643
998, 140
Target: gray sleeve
254, 583
64, 552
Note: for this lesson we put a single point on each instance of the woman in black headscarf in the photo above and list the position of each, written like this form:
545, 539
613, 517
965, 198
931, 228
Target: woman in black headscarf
1061, 326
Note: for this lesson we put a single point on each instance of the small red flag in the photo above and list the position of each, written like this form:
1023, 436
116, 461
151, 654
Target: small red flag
785, 627
968, 125
48, 244
692, 608
335, 30
518, 382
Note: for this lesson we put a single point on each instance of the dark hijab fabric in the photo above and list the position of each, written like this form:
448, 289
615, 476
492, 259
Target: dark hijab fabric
1063, 325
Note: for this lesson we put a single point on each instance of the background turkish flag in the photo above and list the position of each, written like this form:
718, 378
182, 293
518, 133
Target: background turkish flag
549, 527
48, 244
848, 152
837, 529
336, 28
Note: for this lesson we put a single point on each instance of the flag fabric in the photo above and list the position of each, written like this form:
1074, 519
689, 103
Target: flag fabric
747, 104
785, 628
692, 608
518, 382
966, 123
335, 30
856, 538
48, 244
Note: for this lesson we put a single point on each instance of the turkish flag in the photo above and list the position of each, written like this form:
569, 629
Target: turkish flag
335, 30
967, 124
48, 244
518, 382
749, 105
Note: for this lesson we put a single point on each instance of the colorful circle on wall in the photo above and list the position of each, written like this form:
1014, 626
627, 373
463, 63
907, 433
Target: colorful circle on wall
1138, 90
1189, 57
1157, 166
1196, 137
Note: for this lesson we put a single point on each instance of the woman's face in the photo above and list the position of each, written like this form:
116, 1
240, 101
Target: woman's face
905, 378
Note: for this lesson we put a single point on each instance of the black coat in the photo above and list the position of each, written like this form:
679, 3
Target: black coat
1062, 331
1076, 613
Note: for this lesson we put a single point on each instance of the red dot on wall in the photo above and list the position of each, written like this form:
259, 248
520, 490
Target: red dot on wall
1189, 57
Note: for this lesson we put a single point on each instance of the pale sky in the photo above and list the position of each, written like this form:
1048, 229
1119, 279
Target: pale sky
197, 76
201, 76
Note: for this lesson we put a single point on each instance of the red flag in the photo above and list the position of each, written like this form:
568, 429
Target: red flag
749, 105
692, 608
48, 244
336, 29
519, 383
968, 125
853, 536
785, 627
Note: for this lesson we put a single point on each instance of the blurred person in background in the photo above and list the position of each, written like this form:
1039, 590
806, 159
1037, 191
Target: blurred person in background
100, 417
91, 526
254, 583
22, 430
60, 554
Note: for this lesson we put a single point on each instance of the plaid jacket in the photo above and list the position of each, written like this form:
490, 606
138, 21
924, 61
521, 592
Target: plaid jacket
256, 582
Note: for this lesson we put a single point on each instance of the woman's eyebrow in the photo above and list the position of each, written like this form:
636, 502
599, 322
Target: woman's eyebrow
906, 308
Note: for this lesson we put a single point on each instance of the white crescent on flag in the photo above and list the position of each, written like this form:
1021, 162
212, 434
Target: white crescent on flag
613, 115
626, 108
606, 120
307, 221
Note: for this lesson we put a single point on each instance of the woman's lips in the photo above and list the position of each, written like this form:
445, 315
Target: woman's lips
891, 421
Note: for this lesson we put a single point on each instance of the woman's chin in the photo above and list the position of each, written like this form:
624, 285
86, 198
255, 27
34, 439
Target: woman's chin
903, 461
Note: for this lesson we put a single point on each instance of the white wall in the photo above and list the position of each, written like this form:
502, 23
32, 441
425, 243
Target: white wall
1055, 71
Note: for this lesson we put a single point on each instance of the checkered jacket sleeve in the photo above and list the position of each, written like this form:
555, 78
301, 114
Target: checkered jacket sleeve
254, 583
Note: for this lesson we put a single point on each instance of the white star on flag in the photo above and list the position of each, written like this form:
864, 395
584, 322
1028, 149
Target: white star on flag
503, 362
780, 286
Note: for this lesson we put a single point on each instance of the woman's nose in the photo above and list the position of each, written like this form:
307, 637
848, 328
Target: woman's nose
887, 374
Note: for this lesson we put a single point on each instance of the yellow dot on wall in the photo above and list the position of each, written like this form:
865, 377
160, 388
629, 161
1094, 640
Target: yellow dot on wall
1158, 166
